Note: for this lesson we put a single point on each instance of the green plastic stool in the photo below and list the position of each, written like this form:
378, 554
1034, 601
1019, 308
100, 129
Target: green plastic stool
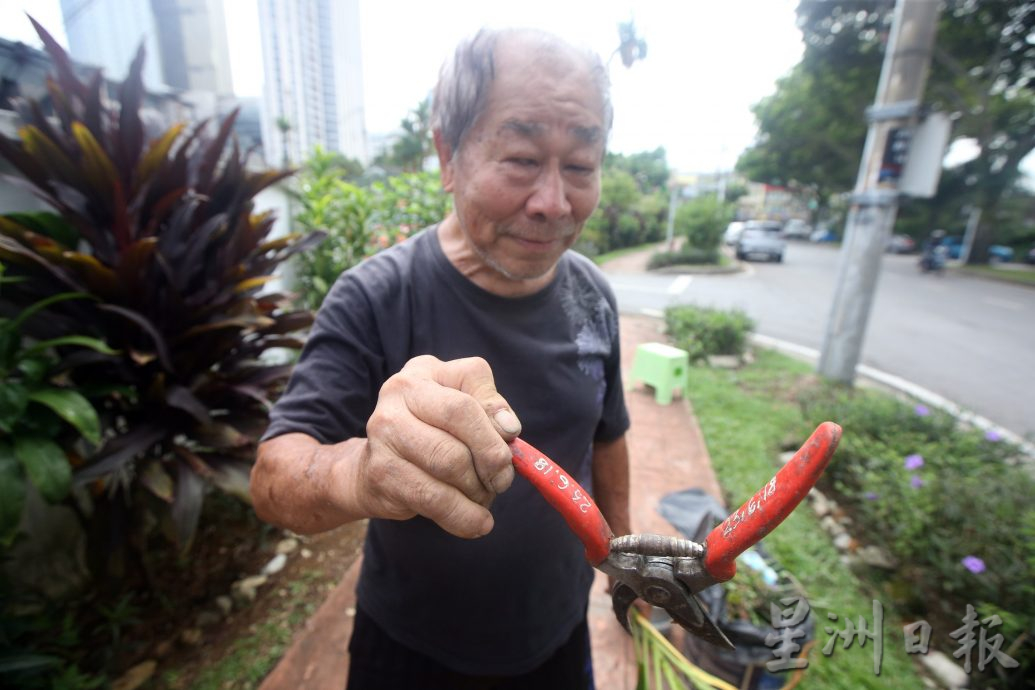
663, 367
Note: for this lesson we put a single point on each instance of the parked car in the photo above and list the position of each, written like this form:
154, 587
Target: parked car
796, 229
996, 253
901, 244
1030, 258
761, 241
822, 235
734, 229
732, 233
1000, 253
774, 226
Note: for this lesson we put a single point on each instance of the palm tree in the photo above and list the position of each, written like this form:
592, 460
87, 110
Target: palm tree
284, 127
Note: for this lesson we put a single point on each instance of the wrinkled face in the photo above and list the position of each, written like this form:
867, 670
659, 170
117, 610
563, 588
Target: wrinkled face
527, 175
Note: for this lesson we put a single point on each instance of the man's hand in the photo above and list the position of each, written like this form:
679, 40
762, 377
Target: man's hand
437, 446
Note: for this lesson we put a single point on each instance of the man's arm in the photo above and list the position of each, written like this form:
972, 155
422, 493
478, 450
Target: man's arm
611, 483
436, 446
306, 486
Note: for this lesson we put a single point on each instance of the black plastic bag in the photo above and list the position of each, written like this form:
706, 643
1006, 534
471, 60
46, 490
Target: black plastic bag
694, 513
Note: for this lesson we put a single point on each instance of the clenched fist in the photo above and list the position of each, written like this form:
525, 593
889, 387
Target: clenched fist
437, 446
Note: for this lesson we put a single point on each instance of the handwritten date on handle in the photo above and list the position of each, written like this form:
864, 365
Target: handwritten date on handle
559, 479
755, 503
566, 496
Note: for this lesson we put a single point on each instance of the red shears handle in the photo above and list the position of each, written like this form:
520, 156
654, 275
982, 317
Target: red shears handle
567, 497
764, 511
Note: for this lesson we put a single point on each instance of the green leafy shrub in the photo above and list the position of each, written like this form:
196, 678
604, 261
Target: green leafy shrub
686, 255
702, 221
160, 233
39, 416
404, 204
626, 216
951, 504
703, 332
358, 221
341, 210
153, 233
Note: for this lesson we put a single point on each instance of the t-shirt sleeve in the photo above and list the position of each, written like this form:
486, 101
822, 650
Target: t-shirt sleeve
334, 386
614, 419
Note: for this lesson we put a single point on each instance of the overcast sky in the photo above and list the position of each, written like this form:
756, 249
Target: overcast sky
707, 61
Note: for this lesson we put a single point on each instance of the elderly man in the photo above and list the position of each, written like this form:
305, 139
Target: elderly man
421, 363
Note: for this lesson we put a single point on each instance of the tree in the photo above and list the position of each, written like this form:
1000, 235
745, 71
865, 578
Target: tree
649, 168
811, 134
983, 68
333, 164
284, 127
414, 146
606, 230
982, 71
812, 129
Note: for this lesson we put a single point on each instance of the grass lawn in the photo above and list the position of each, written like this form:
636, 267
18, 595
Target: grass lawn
601, 259
748, 416
1018, 276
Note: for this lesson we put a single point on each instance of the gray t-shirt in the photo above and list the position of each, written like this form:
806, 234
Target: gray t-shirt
501, 604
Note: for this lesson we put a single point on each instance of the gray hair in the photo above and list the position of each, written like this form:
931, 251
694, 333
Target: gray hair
464, 83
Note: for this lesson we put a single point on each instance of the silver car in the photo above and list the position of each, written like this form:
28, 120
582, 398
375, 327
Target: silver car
732, 233
761, 242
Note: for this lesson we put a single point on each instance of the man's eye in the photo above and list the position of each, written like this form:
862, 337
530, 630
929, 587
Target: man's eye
581, 169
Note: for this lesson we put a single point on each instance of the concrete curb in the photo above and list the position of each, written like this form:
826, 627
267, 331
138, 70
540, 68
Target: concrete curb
901, 385
692, 269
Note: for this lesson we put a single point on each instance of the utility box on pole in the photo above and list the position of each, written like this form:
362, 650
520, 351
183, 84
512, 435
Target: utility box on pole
893, 119
923, 167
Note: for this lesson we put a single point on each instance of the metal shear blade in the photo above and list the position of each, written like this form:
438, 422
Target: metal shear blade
686, 611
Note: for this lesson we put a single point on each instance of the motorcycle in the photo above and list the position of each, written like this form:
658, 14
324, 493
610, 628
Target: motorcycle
933, 260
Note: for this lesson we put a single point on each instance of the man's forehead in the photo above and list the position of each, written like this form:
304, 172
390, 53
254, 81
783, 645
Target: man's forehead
531, 129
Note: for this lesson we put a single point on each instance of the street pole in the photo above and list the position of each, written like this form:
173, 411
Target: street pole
974, 217
892, 118
670, 226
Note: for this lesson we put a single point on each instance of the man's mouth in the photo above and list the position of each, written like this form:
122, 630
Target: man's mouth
535, 244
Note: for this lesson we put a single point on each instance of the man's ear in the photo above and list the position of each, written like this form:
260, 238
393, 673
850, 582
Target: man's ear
445, 160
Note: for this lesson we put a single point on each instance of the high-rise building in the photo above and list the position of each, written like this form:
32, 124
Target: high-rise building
107, 33
313, 89
192, 38
185, 40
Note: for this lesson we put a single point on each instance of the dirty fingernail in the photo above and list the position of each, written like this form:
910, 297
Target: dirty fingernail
508, 421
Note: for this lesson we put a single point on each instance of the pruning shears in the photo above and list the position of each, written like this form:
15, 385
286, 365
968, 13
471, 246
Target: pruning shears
666, 571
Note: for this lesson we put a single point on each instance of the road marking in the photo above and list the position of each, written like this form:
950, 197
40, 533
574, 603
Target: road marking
679, 285
1004, 303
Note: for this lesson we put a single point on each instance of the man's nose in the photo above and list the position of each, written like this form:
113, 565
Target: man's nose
549, 200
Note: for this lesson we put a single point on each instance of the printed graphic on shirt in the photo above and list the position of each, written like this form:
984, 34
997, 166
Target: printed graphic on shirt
595, 328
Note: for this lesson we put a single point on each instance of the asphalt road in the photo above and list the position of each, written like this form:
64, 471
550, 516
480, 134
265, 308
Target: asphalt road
970, 340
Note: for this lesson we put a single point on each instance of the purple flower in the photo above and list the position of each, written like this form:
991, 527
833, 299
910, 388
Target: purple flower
914, 461
973, 564
871, 495
916, 481
993, 436
921, 410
